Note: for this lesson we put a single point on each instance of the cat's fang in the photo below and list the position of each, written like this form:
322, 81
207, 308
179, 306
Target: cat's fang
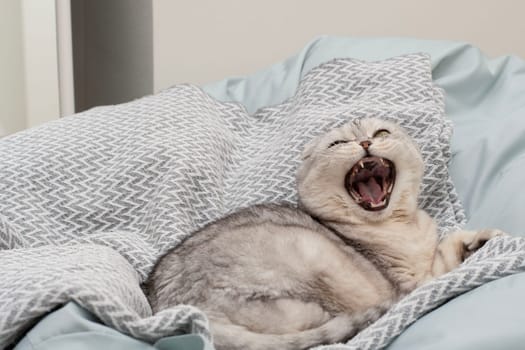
380, 204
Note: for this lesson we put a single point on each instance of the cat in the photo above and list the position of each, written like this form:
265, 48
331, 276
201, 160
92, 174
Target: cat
280, 277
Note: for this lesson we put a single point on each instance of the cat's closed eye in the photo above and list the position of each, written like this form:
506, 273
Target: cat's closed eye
381, 133
337, 142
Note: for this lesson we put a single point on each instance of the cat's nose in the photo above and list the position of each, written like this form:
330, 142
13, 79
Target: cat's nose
365, 144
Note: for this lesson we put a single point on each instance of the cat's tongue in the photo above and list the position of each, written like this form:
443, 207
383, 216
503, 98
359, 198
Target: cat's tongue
370, 191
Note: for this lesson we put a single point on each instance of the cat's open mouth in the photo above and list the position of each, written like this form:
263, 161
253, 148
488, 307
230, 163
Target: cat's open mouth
370, 182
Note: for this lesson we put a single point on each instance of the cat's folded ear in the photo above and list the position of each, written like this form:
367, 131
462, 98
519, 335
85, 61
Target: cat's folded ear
308, 150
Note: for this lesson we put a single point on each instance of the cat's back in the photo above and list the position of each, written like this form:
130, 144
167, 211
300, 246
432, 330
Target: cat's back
258, 223
252, 248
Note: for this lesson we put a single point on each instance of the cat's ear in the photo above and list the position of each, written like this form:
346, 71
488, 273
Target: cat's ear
308, 150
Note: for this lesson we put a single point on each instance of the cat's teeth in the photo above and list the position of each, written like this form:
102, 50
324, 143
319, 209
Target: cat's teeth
390, 187
375, 205
383, 162
361, 164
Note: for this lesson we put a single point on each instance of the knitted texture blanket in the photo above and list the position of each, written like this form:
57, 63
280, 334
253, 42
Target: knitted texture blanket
89, 202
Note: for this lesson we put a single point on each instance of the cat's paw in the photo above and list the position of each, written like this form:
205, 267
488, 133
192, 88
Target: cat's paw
479, 239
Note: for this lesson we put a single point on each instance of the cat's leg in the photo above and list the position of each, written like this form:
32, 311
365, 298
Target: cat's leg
278, 316
228, 335
457, 246
288, 324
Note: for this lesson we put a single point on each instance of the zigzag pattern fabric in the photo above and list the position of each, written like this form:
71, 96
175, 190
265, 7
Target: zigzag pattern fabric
89, 202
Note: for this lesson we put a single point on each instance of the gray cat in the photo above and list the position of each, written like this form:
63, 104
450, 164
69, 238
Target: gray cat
278, 277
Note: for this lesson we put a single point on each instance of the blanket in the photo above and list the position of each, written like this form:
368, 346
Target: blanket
89, 202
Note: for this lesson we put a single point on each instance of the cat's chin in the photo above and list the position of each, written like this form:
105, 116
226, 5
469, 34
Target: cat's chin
370, 182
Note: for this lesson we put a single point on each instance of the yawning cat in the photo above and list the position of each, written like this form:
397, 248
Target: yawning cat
278, 277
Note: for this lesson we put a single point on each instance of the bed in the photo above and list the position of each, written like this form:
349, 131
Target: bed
485, 100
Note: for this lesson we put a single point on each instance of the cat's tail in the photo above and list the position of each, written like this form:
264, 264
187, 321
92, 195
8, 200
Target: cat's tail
228, 336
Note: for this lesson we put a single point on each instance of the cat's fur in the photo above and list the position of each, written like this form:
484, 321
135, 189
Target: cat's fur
277, 277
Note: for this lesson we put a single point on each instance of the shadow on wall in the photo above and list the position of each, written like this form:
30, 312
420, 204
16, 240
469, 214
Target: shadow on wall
112, 51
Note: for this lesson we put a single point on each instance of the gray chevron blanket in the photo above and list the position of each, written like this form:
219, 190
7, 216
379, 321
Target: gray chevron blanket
89, 202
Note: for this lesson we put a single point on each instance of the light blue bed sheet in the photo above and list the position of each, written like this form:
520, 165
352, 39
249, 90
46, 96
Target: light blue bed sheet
485, 99
73, 328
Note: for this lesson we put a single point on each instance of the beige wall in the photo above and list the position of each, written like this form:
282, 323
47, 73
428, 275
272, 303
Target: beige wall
204, 40
199, 41
12, 103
